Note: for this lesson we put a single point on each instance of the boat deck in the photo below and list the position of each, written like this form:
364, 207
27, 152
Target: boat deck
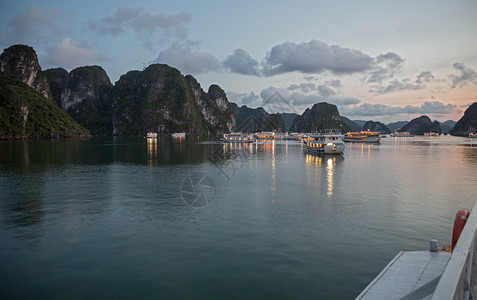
411, 274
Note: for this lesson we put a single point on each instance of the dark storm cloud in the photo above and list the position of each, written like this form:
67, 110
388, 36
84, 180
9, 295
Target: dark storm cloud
315, 57
466, 76
242, 63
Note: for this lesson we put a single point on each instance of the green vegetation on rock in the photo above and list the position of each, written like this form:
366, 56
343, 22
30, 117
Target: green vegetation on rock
24, 113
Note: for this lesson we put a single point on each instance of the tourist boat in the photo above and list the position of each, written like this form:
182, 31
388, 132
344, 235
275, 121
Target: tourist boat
269, 135
401, 134
328, 142
151, 135
178, 134
431, 134
362, 137
237, 137
295, 136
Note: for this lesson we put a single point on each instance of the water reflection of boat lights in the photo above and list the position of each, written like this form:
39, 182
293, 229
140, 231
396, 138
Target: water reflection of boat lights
330, 172
361, 148
331, 161
152, 151
273, 185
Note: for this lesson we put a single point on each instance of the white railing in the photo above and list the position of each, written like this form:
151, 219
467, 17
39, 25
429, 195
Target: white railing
459, 278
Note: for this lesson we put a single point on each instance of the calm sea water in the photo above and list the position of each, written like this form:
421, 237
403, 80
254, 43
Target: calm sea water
191, 219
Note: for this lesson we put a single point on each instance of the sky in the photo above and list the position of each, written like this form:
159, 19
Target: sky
376, 60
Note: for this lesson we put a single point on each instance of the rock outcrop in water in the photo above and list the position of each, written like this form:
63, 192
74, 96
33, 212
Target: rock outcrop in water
376, 126
214, 106
85, 93
320, 116
161, 99
25, 113
21, 61
421, 125
468, 123
351, 124
257, 119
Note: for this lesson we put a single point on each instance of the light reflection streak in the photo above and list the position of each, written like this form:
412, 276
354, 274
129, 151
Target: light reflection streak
316, 161
152, 152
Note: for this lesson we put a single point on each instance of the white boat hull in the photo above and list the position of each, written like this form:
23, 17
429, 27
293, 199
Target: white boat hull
370, 139
236, 141
326, 149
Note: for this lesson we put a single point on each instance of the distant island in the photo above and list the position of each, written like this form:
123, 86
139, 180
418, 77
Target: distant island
58, 103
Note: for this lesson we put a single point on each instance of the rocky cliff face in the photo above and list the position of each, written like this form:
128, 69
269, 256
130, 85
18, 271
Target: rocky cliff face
214, 106
25, 113
85, 93
468, 122
320, 116
157, 99
376, 126
21, 61
257, 119
351, 124
421, 125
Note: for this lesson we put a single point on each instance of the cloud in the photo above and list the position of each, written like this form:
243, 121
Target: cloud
34, 25
315, 57
301, 95
303, 87
424, 77
188, 60
243, 98
334, 83
70, 54
116, 23
386, 66
325, 91
139, 21
241, 62
404, 84
466, 76
396, 85
345, 101
366, 109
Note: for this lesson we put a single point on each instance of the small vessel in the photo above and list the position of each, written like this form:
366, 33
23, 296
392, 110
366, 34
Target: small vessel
178, 134
237, 137
151, 135
473, 135
401, 134
328, 142
362, 137
270, 135
431, 134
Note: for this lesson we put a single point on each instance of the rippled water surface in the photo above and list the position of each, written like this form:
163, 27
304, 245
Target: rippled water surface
191, 218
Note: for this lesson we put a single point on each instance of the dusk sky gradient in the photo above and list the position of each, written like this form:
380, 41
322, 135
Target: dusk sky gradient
376, 60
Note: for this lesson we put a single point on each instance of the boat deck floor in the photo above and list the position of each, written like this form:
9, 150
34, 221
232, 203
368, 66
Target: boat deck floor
411, 275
